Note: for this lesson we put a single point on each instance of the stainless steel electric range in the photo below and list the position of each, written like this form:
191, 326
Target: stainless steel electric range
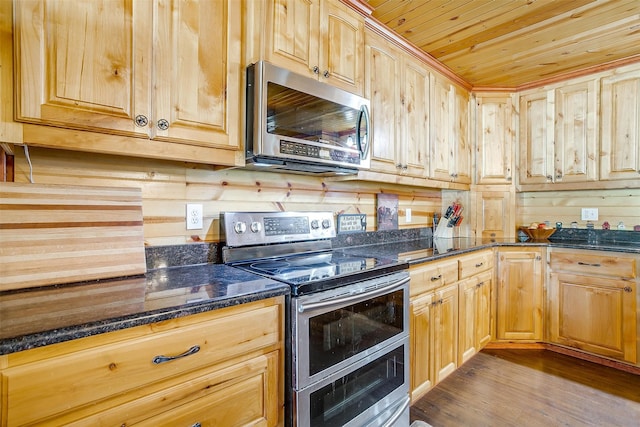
347, 329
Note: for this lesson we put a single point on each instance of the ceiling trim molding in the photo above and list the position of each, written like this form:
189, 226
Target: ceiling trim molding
359, 6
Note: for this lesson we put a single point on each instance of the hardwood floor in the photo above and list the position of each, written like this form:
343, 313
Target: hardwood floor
529, 388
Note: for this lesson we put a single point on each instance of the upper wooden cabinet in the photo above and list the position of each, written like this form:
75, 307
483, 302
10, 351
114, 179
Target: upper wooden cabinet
323, 39
163, 69
450, 158
620, 144
398, 88
495, 138
558, 134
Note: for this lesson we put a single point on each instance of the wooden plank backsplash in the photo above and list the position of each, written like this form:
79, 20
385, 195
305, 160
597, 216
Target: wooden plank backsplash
53, 234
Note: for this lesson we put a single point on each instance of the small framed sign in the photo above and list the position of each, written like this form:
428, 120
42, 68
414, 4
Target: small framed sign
352, 223
387, 211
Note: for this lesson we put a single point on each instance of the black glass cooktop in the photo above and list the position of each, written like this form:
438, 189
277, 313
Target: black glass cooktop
308, 273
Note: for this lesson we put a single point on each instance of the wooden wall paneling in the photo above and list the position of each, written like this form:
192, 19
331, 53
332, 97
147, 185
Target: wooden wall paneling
565, 206
167, 187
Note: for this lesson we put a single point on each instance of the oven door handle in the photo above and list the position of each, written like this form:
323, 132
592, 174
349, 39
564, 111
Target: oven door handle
338, 301
398, 412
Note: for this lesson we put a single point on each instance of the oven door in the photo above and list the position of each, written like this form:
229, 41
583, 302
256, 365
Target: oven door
334, 329
373, 392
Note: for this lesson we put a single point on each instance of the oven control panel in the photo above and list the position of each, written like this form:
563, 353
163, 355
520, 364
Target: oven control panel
256, 228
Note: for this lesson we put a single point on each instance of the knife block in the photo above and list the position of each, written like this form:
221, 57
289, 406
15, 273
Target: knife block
443, 231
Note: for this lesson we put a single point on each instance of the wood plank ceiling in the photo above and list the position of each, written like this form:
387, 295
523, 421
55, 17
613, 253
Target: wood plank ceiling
517, 43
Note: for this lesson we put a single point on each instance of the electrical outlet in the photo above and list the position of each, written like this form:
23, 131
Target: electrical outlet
194, 216
407, 215
589, 214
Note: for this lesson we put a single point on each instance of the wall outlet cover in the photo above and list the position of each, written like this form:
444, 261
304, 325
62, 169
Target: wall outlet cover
589, 214
194, 216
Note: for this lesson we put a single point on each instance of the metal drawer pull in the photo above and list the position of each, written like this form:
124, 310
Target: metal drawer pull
480, 264
586, 263
197, 425
434, 278
161, 359
628, 289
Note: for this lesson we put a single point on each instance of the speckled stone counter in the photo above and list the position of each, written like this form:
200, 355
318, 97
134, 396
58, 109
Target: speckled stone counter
48, 315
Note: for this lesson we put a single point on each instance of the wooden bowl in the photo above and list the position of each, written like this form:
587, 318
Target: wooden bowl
538, 233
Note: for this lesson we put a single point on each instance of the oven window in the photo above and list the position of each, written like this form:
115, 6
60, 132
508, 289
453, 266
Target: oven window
343, 333
342, 400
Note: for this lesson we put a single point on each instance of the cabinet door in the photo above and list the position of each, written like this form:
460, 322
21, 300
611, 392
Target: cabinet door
421, 339
495, 139
442, 155
445, 339
495, 214
520, 295
594, 314
620, 111
467, 307
460, 141
293, 34
483, 309
536, 139
341, 46
197, 80
382, 88
575, 148
415, 119
84, 64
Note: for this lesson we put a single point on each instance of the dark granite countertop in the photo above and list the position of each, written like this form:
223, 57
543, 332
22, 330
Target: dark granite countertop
41, 316
428, 249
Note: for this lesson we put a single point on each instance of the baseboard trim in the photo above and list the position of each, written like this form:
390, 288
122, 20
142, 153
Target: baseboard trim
515, 345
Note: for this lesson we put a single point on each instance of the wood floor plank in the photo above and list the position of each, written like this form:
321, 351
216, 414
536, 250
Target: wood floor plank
530, 388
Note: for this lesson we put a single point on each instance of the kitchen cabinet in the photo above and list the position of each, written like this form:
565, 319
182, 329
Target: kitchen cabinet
127, 377
450, 158
592, 302
495, 132
620, 144
520, 294
164, 72
433, 349
322, 39
558, 134
494, 211
397, 87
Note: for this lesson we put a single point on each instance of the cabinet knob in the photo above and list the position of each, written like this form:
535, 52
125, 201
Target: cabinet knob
509, 178
434, 278
163, 124
141, 120
326, 74
549, 178
628, 289
316, 70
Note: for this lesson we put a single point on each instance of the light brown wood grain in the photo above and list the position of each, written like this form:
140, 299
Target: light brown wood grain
54, 234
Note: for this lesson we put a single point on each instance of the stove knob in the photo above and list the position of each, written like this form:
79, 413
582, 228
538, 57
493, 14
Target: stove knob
256, 227
326, 223
314, 224
240, 227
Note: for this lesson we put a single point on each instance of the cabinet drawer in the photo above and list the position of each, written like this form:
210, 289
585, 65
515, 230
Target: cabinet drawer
469, 265
433, 275
234, 395
51, 387
593, 264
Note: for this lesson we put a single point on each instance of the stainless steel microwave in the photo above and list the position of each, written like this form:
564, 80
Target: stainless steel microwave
300, 125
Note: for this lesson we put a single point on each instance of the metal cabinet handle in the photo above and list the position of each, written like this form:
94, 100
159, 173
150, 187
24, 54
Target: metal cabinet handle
326, 74
316, 70
141, 120
196, 425
162, 359
549, 178
479, 264
163, 124
628, 289
588, 264
434, 278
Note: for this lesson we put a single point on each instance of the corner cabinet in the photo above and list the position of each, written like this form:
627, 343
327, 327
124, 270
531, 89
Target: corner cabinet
322, 39
397, 87
161, 70
520, 294
592, 302
194, 370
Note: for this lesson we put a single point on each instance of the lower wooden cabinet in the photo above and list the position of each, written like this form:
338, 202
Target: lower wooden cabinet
445, 332
474, 306
195, 369
593, 303
520, 303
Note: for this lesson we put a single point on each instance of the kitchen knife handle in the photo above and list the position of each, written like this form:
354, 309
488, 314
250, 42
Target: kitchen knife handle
162, 359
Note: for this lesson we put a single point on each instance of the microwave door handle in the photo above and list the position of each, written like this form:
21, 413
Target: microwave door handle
364, 113
339, 301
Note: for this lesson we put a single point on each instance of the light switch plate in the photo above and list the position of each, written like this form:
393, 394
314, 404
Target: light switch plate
589, 214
